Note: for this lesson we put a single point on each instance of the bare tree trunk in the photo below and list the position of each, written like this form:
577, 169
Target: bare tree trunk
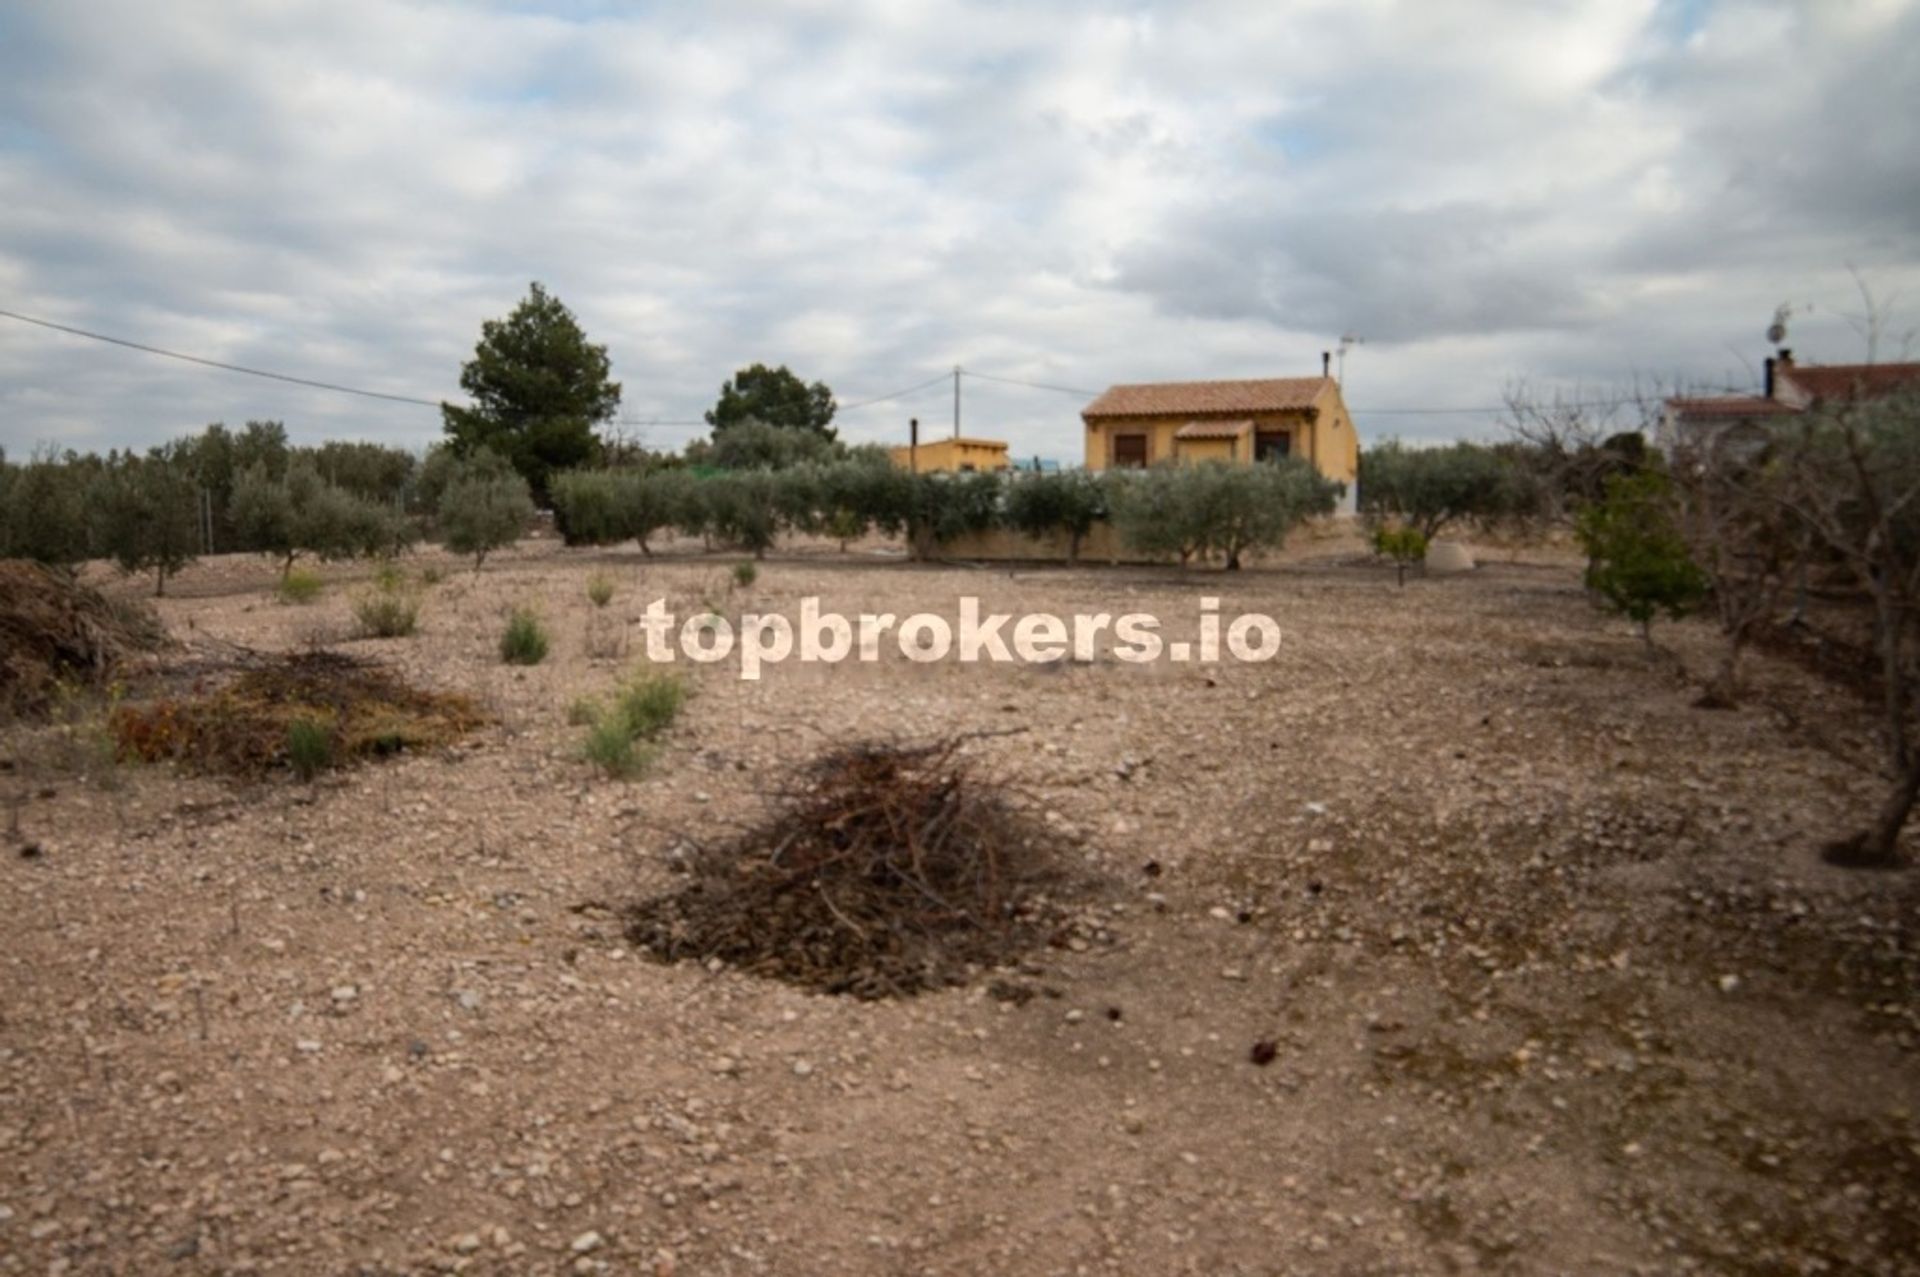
1878, 845
1723, 689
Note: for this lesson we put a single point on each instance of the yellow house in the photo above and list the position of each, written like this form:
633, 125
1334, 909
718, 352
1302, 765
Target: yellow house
1231, 421
954, 453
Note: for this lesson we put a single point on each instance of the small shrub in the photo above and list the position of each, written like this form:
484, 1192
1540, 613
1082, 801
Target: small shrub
1404, 545
299, 586
432, 574
388, 576
525, 640
583, 711
600, 589
309, 747
745, 574
649, 703
1637, 559
609, 748
642, 708
386, 613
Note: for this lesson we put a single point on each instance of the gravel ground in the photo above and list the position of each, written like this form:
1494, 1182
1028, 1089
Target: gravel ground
1549, 973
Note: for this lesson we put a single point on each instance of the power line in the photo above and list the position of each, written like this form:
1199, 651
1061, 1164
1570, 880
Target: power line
898, 394
215, 363
1031, 385
850, 407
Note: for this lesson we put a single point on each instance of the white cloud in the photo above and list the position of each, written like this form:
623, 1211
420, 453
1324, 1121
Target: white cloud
1580, 193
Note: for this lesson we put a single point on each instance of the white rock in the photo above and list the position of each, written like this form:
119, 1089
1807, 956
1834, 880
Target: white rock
586, 1243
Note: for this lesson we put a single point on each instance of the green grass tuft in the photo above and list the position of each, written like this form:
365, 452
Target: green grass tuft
600, 589
309, 747
299, 586
643, 707
525, 640
388, 612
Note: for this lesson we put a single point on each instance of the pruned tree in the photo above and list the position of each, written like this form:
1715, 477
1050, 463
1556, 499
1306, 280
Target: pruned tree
484, 507
1152, 514
1729, 495
1851, 479
1431, 489
1070, 502
146, 514
743, 508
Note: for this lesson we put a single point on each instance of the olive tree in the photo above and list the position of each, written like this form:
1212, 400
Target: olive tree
146, 514
1070, 503
1428, 489
486, 505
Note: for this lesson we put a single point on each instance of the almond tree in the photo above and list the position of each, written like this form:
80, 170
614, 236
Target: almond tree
1851, 480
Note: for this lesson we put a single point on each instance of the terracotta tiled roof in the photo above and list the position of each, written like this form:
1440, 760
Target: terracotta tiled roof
1213, 430
1207, 398
1831, 382
1726, 406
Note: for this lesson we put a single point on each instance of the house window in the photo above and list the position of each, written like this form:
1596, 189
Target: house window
1274, 446
1129, 450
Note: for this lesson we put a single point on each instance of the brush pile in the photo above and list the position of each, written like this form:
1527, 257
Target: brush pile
54, 631
357, 709
884, 870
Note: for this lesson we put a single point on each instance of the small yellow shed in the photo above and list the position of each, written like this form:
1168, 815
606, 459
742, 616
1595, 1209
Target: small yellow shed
955, 453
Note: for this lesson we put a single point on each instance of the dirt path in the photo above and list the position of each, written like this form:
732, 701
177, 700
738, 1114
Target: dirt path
1553, 978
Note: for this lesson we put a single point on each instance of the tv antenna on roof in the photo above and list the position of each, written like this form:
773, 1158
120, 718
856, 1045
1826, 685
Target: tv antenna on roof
1348, 340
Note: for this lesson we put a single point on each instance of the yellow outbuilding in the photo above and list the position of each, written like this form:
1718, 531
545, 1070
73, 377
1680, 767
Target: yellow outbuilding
954, 453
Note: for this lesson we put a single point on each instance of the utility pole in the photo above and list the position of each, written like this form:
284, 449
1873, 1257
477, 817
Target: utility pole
913, 446
956, 401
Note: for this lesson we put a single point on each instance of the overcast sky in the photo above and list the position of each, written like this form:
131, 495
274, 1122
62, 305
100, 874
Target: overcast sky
1586, 195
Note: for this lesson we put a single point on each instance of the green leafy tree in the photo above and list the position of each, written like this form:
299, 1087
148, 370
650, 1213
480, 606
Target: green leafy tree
146, 514
45, 514
586, 507
1637, 558
1407, 547
371, 471
539, 388
301, 513
1070, 502
775, 397
744, 508
948, 506
1243, 508
1215, 508
486, 505
752, 444
1430, 488
1153, 513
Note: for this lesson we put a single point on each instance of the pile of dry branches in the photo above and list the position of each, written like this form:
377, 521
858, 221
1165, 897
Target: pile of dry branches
365, 710
54, 629
884, 870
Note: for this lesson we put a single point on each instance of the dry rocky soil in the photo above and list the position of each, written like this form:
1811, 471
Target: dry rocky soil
1543, 964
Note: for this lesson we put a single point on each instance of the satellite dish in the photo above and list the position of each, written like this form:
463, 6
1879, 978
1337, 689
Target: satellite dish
1777, 330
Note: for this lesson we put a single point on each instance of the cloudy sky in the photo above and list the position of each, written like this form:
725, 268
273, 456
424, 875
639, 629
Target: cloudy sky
1586, 194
